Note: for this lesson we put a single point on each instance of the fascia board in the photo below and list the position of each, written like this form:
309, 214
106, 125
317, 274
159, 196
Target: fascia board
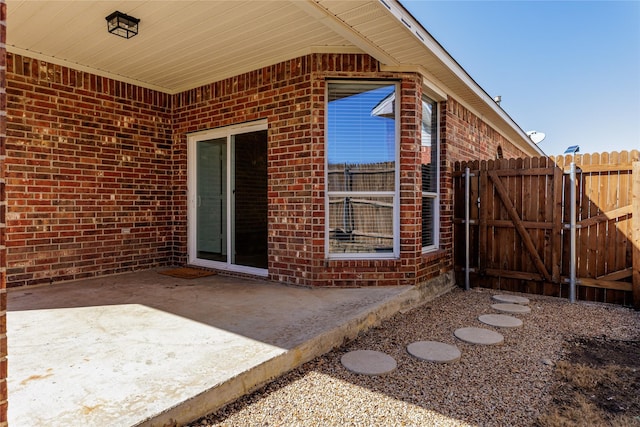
420, 33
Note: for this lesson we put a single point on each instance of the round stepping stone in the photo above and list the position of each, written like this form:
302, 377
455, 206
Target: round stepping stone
511, 299
368, 362
500, 320
511, 308
434, 351
479, 336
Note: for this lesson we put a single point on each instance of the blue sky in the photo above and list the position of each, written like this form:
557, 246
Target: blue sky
570, 69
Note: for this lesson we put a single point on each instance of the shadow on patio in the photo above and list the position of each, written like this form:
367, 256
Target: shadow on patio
144, 348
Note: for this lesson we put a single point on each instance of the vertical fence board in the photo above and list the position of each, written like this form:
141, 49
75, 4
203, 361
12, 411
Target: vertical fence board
598, 250
617, 227
587, 235
483, 231
556, 232
635, 240
527, 196
625, 244
546, 208
458, 214
624, 229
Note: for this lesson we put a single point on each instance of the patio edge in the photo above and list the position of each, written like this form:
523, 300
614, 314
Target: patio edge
256, 377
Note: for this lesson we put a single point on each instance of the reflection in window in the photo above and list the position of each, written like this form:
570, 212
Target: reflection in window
429, 160
361, 168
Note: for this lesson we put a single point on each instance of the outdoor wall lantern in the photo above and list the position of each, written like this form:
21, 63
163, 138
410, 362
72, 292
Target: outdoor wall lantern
122, 25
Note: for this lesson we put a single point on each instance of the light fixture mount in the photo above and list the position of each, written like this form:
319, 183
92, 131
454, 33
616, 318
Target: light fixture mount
122, 25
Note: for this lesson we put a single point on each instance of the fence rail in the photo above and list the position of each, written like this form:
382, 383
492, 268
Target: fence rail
518, 225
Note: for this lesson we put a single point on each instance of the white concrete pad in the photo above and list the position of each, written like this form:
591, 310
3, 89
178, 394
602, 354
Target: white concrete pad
479, 336
144, 348
500, 320
511, 299
368, 362
511, 308
434, 351
106, 365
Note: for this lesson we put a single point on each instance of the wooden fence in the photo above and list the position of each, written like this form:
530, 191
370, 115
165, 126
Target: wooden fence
361, 223
519, 213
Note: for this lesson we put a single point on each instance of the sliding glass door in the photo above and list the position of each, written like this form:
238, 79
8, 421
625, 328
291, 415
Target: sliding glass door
228, 199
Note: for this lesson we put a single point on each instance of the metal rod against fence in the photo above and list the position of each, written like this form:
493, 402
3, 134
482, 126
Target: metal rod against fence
467, 215
572, 233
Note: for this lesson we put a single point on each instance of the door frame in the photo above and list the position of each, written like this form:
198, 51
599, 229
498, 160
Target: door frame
192, 160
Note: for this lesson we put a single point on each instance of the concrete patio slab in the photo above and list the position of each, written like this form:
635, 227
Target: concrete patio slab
145, 349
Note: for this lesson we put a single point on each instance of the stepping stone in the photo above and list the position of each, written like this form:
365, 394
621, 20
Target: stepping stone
434, 351
500, 320
368, 362
479, 336
511, 308
511, 299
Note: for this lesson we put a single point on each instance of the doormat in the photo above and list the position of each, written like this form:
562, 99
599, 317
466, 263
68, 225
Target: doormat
187, 273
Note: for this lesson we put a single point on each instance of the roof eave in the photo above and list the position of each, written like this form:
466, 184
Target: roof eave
516, 134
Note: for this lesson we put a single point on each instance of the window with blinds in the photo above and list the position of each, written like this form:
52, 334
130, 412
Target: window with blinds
430, 174
362, 179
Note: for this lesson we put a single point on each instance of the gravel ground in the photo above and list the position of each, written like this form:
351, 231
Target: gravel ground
507, 384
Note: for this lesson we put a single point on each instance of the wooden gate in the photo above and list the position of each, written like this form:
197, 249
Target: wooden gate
519, 215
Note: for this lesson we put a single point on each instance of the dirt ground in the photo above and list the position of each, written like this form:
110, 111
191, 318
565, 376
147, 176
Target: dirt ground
596, 383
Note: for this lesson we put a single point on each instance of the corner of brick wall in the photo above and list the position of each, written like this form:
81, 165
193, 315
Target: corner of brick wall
89, 174
3, 207
468, 137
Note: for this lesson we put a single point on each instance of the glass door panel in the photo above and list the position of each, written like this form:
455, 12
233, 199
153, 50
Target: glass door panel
212, 199
250, 199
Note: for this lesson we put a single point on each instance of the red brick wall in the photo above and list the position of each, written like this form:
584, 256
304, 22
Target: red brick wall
469, 138
403, 271
281, 94
88, 174
3, 207
291, 96
373, 272
97, 170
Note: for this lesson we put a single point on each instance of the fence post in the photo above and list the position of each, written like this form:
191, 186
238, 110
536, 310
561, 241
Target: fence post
467, 216
635, 233
572, 231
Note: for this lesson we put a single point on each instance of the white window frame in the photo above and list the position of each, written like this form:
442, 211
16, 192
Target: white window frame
395, 194
431, 195
192, 139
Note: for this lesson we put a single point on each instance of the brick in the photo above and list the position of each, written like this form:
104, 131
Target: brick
90, 156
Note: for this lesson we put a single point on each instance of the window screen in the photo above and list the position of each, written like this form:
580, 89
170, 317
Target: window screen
361, 167
430, 174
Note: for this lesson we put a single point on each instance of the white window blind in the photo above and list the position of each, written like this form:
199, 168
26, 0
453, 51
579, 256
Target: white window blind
430, 174
361, 168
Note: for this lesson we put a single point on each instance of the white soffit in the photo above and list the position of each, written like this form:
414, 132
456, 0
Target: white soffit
181, 44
